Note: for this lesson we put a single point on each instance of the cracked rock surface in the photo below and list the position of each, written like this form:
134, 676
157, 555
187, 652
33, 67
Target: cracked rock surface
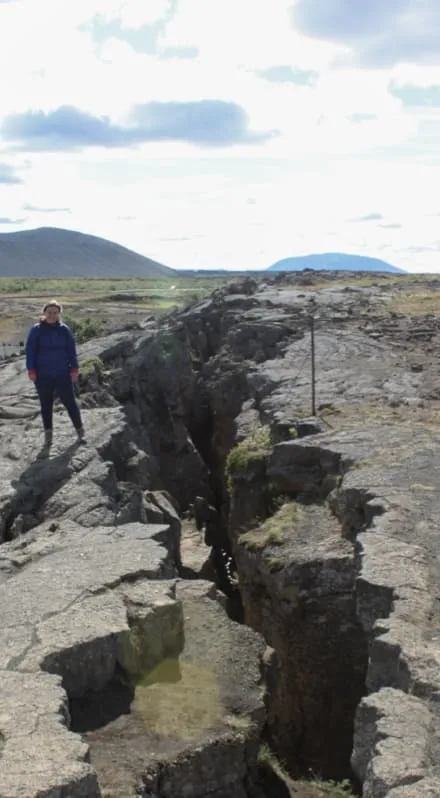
91, 603
119, 675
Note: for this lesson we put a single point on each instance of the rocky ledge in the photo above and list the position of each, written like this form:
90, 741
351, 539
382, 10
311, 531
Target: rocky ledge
118, 677
124, 671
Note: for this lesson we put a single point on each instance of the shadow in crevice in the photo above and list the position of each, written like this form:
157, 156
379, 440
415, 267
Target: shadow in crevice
97, 709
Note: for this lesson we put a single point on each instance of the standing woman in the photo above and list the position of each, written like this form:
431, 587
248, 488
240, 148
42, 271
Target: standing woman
52, 364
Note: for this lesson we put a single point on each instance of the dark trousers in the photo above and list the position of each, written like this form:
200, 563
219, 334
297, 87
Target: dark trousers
47, 388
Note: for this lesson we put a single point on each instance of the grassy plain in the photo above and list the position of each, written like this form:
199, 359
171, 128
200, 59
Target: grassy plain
109, 302
115, 302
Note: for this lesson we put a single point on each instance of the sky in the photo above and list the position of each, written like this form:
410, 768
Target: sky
225, 133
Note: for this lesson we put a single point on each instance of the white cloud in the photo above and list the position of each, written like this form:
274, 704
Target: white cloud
346, 146
249, 34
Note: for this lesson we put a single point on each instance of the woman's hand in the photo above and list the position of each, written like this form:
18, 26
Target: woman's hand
32, 374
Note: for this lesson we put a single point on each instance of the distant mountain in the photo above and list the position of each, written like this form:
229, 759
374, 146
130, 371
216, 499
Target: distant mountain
52, 252
333, 260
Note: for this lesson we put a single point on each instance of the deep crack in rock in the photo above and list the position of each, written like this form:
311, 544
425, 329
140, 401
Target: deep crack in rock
317, 525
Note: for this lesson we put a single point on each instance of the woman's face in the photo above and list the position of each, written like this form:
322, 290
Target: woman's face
52, 314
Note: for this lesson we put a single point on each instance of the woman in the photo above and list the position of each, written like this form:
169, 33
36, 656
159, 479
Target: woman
52, 364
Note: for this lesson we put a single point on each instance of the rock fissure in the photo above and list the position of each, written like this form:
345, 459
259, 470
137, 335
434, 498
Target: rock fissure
214, 426
127, 579
303, 604
320, 527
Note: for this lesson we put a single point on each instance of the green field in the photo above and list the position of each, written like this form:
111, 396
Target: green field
94, 306
108, 303
82, 287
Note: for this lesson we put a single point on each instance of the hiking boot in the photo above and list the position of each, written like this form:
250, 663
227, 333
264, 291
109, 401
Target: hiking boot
81, 435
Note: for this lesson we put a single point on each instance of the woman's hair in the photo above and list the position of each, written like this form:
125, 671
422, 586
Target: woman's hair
54, 303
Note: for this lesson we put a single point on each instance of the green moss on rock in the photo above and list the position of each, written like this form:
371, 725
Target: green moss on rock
256, 446
273, 531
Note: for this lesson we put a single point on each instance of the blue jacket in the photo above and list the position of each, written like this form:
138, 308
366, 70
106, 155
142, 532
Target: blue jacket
50, 350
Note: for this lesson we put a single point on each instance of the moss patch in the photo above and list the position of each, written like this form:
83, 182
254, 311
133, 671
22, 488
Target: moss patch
267, 758
256, 446
91, 366
272, 532
257, 539
302, 788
